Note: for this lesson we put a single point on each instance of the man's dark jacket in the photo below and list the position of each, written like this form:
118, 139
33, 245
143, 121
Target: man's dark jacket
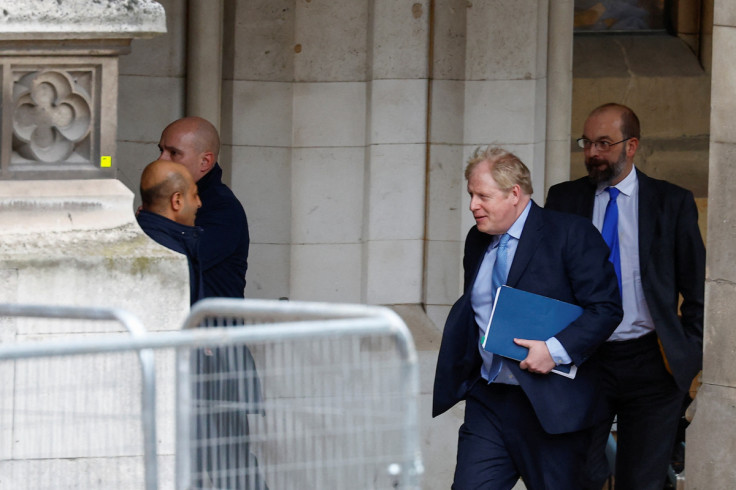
223, 248
179, 238
559, 256
671, 259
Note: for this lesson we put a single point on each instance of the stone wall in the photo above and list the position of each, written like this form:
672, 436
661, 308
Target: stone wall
347, 157
76, 243
151, 94
711, 438
345, 128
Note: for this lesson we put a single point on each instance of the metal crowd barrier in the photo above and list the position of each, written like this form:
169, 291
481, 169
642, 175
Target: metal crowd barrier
332, 403
279, 395
62, 422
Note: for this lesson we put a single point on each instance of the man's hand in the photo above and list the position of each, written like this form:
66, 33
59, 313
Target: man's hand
539, 359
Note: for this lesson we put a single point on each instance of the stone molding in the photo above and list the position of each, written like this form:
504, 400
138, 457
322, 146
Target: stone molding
28, 207
59, 116
59, 83
52, 121
81, 19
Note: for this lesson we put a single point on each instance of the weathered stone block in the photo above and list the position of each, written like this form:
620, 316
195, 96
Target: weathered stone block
400, 39
331, 41
719, 343
396, 182
711, 439
721, 225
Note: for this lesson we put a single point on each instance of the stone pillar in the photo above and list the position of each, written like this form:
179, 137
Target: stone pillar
59, 84
396, 153
76, 243
488, 86
328, 112
559, 95
204, 60
711, 437
67, 238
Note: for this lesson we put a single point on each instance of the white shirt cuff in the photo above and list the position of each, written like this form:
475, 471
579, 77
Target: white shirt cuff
558, 353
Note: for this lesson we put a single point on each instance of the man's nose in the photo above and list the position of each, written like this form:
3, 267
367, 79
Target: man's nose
591, 151
473, 203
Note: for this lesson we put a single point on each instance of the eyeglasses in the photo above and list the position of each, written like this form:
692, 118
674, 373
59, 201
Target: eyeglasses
601, 146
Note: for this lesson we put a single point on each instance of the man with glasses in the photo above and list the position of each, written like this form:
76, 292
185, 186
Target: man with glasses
649, 362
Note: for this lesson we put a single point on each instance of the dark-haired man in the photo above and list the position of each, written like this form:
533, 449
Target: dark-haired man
651, 359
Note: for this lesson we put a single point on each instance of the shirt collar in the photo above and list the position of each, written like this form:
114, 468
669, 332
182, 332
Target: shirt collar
211, 178
518, 226
626, 186
164, 223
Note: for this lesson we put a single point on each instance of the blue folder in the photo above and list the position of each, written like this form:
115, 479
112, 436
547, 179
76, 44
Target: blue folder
524, 315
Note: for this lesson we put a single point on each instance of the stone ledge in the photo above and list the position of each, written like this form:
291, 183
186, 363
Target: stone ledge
29, 206
81, 19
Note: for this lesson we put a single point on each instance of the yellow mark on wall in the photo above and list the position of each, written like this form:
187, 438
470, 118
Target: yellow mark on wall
105, 161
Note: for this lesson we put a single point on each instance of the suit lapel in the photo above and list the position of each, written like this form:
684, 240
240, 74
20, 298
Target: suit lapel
587, 200
531, 236
477, 253
648, 206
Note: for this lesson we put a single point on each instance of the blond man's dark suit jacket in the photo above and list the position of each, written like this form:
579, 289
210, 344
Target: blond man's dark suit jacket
560, 256
671, 259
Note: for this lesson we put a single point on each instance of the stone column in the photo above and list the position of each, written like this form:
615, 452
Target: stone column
711, 438
58, 81
204, 60
559, 95
67, 238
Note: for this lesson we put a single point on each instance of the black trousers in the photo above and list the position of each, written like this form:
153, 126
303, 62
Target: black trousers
223, 459
501, 440
224, 392
636, 388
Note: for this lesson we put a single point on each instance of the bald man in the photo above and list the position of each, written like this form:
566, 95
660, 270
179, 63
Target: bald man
170, 203
194, 143
225, 461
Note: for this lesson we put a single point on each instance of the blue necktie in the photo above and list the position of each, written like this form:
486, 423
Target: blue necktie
610, 232
498, 279
498, 276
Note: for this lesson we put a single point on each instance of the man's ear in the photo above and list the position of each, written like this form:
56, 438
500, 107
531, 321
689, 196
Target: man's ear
515, 191
176, 201
631, 146
208, 161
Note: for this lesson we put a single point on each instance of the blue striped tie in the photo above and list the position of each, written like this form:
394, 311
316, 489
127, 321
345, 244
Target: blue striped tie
498, 279
498, 276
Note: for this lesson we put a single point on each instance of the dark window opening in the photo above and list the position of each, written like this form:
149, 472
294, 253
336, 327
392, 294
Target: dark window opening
628, 16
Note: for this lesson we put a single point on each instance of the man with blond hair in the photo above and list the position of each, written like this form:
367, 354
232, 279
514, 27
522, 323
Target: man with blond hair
520, 419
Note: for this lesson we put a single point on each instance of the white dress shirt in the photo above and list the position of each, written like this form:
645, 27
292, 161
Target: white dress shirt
637, 320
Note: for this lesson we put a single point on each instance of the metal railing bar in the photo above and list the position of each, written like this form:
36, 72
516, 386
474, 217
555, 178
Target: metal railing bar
201, 337
145, 356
